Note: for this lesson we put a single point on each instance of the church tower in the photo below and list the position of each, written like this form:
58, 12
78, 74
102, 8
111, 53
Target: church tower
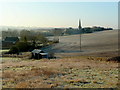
79, 27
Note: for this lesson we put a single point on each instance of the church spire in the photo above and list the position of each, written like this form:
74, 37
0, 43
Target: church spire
79, 24
79, 28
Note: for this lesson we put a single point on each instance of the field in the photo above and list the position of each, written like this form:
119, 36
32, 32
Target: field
69, 72
89, 68
98, 42
4, 50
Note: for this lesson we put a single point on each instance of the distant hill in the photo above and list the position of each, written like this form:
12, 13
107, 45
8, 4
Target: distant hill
91, 43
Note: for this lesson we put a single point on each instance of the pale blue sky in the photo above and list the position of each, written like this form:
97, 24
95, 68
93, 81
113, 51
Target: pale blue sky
59, 14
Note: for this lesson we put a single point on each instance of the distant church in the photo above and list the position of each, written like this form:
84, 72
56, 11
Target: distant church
79, 26
71, 31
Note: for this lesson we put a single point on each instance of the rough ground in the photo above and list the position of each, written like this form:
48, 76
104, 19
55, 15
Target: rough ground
70, 72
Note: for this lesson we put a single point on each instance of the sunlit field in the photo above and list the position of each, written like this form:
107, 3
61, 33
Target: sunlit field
69, 72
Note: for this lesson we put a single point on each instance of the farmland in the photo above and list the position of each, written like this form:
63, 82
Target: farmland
71, 69
98, 42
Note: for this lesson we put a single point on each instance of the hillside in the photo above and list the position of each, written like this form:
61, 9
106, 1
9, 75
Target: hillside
98, 42
74, 72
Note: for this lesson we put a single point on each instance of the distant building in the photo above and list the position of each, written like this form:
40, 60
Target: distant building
39, 54
71, 31
80, 31
79, 26
9, 41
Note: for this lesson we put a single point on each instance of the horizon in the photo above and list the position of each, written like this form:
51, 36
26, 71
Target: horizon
9, 27
59, 14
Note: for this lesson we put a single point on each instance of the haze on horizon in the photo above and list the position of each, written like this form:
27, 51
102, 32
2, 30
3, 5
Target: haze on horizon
59, 14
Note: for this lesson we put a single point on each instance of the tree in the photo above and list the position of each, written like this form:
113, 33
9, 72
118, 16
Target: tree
25, 39
87, 30
24, 34
33, 37
10, 33
14, 50
41, 38
23, 46
20, 47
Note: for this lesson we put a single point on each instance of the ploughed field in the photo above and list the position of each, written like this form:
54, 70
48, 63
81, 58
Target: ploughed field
69, 72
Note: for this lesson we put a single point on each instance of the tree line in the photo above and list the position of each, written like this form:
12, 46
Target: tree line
28, 40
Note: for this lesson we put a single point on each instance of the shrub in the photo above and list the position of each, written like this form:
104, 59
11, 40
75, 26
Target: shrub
116, 59
19, 47
23, 46
14, 50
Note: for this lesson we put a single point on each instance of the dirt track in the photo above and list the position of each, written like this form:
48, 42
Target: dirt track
98, 42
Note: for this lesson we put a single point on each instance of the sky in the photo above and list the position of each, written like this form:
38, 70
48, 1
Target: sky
59, 14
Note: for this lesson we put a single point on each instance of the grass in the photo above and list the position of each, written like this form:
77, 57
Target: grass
4, 50
69, 72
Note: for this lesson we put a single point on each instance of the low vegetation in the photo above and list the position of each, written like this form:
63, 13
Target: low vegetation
115, 59
69, 72
20, 47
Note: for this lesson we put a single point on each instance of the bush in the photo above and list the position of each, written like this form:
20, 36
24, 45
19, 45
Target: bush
23, 46
19, 47
14, 50
117, 59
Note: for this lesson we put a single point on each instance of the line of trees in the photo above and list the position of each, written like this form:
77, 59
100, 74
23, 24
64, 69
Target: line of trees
94, 29
71, 31
29, 40
33, 37
53, 32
